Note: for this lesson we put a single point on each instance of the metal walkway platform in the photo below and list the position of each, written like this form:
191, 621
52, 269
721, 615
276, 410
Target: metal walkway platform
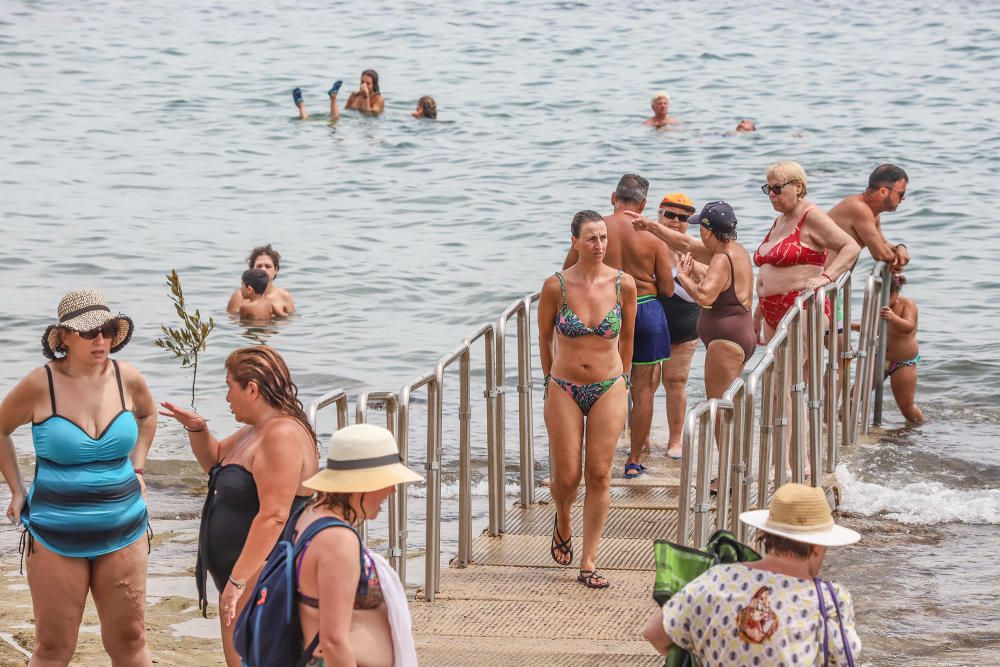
515, 603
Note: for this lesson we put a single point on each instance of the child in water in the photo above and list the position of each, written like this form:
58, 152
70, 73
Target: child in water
257, 307
902, 354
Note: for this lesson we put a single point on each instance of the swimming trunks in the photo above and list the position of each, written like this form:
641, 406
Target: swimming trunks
85, 500
569, 325
789, 251
651, 340
727, 319
230, 507
585, 395
893, 366
369, 591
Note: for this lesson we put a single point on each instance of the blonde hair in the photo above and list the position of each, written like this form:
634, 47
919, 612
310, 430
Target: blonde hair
662, 95
790, 171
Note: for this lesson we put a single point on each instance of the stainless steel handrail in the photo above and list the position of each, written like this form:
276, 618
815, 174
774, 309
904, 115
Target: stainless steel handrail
403, 440
880, 346
335, 396
391, 403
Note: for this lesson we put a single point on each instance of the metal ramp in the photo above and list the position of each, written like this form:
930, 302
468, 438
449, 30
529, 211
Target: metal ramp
513, 602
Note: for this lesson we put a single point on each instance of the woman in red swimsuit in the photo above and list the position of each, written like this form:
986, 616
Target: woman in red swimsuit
805, 249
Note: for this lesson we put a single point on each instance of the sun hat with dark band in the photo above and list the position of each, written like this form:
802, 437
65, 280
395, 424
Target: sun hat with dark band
83, 311
362, 458
801, 513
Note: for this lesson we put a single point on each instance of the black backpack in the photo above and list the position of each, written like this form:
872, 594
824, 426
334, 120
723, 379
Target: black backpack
268, 632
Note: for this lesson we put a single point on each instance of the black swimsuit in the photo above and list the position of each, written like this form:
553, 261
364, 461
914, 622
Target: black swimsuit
230, 507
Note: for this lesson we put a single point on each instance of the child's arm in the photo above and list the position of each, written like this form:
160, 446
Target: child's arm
906, 322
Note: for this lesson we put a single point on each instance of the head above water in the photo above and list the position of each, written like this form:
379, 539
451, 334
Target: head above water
266, 251
373, 75
896, 282
264, 367
792, 173
426, 108
256, 280
632, 190
582, 218
746, 125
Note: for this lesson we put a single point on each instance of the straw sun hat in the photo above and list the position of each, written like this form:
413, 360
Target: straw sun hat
362, 458
83, 311
801, 513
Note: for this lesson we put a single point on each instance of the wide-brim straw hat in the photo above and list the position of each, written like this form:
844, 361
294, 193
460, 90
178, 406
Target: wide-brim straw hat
362, 458
82, 311
801, 513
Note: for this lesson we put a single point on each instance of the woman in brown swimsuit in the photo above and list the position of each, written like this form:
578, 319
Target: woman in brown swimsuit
724, 290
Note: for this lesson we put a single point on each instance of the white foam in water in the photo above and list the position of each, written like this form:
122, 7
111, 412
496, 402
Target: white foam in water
450, 489
918, 502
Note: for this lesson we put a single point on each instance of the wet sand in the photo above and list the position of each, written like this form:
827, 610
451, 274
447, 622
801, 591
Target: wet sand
176, 632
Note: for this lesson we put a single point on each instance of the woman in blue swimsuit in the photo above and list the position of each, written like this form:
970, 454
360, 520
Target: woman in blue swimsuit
586, 383
92, 422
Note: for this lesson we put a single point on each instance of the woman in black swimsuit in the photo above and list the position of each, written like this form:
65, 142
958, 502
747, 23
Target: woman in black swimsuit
725, 293
255, 477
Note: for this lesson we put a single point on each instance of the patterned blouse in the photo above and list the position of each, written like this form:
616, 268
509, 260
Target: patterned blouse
735, 615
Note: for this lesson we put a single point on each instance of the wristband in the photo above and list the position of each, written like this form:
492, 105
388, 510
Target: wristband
194, 430
826, 276
237, 584
900, 245
139, 471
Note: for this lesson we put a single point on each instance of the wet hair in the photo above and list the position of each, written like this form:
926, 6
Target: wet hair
428, 106
256, 280
774, 544
582, 218
885, 176
265, 250
896, 282
790, 171
632, 189
265, 367
660, 95
374, 75
724, 235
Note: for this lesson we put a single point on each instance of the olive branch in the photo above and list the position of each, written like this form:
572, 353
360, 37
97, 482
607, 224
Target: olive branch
192, 338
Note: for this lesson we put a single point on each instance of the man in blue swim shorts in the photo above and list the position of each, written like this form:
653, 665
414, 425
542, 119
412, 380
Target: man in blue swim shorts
645, 258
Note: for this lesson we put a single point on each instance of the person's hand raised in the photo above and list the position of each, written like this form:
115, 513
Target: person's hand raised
686, 266
639, 223
189, 419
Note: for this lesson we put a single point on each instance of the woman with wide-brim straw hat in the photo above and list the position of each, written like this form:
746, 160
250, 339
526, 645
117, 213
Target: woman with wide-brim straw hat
93, 420
772, 611
361, 611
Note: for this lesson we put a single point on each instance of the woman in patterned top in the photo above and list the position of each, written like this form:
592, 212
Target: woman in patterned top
772, 611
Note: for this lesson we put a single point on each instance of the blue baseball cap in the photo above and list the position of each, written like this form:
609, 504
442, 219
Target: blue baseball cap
719, 217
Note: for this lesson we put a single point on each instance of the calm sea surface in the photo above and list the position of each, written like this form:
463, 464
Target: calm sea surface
144, 137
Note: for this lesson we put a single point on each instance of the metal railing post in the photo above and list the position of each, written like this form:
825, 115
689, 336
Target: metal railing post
724, 496
797, 387
880, 354
706, 440
464, 461
403, 440
498, 481
525, 426
847, 354
781, 391
432, 549
335, 396
391, 403
817, 324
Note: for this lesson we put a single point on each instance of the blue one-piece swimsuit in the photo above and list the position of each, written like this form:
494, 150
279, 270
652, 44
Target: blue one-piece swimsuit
85, 500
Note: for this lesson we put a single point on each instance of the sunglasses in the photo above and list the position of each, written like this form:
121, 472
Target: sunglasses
901, 194
109, 331
776, 189
670, 215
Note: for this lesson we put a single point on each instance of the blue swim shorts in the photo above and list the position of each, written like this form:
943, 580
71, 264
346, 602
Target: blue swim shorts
652, 337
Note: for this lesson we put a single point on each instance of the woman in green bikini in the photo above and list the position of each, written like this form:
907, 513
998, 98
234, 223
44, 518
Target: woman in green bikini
586, 383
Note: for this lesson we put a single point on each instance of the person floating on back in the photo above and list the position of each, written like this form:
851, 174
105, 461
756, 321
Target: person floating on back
255, 307
367, 99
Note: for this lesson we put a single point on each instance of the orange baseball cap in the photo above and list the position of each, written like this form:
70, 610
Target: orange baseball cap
678, 199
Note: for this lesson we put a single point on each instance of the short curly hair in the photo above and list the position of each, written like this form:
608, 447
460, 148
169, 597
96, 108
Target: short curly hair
265, 250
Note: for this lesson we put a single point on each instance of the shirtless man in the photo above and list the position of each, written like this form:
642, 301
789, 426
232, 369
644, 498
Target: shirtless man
642, 256
266, 258
860, 215
661, 105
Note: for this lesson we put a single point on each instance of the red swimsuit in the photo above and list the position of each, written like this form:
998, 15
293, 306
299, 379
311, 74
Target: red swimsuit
789, 251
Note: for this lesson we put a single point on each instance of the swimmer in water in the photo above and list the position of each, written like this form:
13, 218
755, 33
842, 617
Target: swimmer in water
426, 108
367, 99
281, 302
661, 106
746, 125
255, 306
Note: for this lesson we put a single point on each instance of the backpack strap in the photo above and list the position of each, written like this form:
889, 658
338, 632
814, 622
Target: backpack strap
843, 632
308, 653
822, 612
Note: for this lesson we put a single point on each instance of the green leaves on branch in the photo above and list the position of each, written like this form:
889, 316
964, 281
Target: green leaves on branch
191, 338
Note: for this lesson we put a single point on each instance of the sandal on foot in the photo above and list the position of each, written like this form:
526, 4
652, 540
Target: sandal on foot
591, 579
335, 88
561, 546
633, 470
297, 96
